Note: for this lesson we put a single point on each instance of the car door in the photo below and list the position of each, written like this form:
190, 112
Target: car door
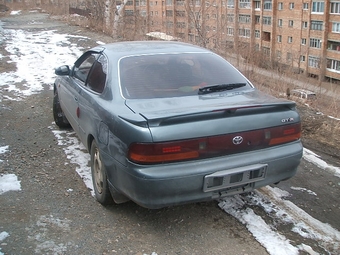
91, 99
70, 94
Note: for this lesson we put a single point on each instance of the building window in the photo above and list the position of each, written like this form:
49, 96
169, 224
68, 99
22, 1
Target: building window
304, 24
257, 33
267, 20
279, 23
169, 13
266, 51
169, 24
180, 13
278, 54
128, 12
280, 6
244, 18
244, 4
244, 32
335, 7
336, 27
197, 15
305, 6
230, 17
257, 5
291, 6
333, 64
291, 23
169, 2
257, 19
318, 6
290, 39
267, 5
303, 41
180, 24
333, 45
230, 31
289, 56
179, 2
302, 58
315, 43
230, 3
266, 36
314, 61
316, 25
279, 38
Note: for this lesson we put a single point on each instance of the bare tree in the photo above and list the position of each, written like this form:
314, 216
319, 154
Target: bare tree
118, 14
196, 10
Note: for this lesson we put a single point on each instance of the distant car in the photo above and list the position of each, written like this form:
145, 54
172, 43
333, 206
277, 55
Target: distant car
303, 94
168, 123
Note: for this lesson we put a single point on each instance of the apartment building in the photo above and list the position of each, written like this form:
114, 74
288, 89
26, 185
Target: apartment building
303, 35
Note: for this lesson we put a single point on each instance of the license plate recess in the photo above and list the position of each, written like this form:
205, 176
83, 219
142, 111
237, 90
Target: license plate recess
234, 177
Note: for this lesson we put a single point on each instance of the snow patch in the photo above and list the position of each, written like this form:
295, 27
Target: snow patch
3, 236
263, 233
29, 49
43, 238
15, 12
304, 190
9, 182
76, 153
316, 160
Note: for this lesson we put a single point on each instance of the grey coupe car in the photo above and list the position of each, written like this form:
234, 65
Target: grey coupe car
168, 123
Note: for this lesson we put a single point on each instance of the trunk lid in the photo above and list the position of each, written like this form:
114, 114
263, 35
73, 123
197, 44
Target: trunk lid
213, 114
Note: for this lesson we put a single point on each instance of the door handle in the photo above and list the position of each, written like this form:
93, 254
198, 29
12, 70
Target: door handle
76, 99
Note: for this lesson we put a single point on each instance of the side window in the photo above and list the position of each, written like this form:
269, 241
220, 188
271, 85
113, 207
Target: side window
82, 68
97, 77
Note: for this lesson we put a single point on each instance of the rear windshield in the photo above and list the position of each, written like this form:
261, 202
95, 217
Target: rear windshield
174, 75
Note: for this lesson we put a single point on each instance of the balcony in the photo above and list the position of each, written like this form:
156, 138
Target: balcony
333, 45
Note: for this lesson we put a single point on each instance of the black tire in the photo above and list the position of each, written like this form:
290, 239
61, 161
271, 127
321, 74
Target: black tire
58, 114
99, 177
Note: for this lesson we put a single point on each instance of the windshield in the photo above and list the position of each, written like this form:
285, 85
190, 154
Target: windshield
174, 75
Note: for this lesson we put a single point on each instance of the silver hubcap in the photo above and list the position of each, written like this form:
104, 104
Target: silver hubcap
98, 173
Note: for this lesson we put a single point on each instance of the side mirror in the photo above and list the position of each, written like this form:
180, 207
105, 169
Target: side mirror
62, 70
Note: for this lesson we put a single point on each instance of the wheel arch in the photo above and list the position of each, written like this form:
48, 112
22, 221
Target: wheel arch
90, 139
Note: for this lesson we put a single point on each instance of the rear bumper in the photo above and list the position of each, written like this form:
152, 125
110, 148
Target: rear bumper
177, 183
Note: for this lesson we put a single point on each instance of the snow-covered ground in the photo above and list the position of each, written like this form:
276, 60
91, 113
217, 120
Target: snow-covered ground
29, 49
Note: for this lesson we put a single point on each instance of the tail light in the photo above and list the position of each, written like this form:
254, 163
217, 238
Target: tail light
155, 153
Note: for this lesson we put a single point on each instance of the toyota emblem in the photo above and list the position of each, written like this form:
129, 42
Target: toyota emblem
237, 140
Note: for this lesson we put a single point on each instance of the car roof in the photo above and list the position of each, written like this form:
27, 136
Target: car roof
128, 48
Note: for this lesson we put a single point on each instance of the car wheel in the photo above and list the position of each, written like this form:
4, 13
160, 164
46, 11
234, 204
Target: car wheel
58, 114
99, 177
